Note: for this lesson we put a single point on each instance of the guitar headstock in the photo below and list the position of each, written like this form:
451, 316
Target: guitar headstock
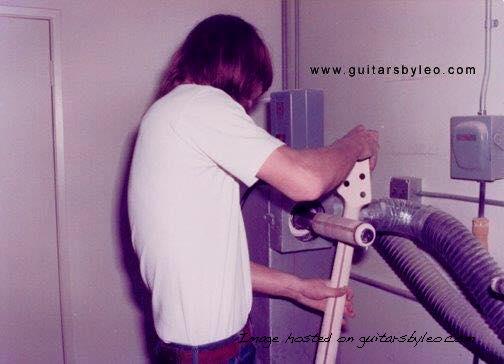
356, 189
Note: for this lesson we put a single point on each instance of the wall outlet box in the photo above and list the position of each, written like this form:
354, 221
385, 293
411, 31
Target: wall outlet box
477, 147
406, 188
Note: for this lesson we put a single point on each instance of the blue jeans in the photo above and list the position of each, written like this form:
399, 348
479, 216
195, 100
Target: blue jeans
227, 351
246, 355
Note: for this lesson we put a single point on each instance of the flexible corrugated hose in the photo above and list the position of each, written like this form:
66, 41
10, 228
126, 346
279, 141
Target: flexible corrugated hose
469, 308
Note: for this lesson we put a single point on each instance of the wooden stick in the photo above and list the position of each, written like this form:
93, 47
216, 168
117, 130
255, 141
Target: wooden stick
356, 193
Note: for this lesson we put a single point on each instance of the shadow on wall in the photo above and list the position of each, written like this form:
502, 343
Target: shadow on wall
139, 293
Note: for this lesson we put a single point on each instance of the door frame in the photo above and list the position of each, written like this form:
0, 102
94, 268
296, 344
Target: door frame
53, 16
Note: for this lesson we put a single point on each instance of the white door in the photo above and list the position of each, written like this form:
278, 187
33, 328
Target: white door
30, 322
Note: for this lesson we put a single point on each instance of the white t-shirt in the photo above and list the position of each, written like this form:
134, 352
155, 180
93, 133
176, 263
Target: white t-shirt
184, 210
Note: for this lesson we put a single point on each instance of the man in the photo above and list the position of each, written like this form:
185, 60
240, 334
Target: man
195, 144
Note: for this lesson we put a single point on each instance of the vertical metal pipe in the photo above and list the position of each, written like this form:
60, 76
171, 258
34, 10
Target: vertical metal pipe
481, 202
488, 52
285, 48
296, 44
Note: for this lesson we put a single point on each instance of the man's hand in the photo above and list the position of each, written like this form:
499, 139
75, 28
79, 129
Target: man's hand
315, 292
311, 293
367, 140
306, 174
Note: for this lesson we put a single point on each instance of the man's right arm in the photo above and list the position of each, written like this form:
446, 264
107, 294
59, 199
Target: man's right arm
304, 175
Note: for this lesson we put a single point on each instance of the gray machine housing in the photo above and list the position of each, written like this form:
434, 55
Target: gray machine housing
477, 147
297, 118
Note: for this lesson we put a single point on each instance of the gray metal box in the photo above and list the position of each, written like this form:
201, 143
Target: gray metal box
406, 188
297, 118
477, 147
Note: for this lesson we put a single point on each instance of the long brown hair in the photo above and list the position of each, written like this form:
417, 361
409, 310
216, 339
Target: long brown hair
225, 52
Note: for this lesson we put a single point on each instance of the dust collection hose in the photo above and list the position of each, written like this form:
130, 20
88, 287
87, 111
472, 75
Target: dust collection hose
460, 254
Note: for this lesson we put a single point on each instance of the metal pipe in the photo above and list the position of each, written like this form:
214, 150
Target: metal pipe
296, 44
285, 48
383, 286
481, 200
488, 51
450, 196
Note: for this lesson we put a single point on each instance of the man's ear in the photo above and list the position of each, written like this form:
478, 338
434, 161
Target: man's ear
249, 105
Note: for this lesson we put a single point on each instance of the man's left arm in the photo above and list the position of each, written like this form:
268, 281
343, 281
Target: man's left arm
309, 292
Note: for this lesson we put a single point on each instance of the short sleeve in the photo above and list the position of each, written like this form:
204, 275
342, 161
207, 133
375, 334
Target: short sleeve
220, 128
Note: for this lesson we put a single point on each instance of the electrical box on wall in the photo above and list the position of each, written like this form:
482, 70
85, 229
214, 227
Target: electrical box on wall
477, 147
297, 118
